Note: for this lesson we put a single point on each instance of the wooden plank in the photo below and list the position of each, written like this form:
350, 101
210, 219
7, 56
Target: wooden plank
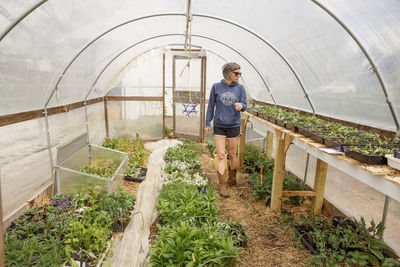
319, 186
269, 144
279, 174
106, 117
35, 114
288, 141
393, 179
242, 140
135, 98
163, 96
299, 193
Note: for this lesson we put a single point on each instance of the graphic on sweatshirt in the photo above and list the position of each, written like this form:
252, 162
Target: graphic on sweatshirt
227, 98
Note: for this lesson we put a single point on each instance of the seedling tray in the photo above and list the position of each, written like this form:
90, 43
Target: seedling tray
305, 241
281, 123
139, 177
291, 127
271, 119
397, 154
304, 131
367, 159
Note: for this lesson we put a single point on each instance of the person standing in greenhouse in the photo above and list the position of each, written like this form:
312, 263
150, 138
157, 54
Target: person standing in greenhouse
227, 100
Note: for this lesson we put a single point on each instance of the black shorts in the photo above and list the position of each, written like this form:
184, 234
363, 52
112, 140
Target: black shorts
228, 132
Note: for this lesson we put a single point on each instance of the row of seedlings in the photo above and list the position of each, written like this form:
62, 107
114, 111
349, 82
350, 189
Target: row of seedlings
366, 147
76, 229
340, 241
190, 232
68, 230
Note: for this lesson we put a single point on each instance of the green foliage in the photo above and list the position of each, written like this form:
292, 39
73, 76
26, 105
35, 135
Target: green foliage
253, 160
187, 152
104, 169
262, 191
118, 206
167, 131
135, 151
184, 244
52, 235
348, 242
181, 201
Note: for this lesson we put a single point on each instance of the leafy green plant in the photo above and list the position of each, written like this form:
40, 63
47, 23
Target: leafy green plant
102, 169
187, 152
181, 201
184, 244
118, 206
253, 160
348, 242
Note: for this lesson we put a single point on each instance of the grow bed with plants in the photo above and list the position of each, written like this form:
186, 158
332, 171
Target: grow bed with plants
190, 232
69, 230
345, 242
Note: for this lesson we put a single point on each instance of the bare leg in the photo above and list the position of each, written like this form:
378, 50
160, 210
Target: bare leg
220, 147
232, 148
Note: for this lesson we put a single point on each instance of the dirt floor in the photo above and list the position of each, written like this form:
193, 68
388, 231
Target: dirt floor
271, 238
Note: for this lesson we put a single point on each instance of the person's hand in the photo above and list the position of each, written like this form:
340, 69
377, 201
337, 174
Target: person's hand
238, 106
207, 131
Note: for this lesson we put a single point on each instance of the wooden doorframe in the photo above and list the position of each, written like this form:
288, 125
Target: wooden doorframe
202, 58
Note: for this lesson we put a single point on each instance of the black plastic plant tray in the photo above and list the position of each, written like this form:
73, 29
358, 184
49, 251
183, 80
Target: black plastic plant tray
271, 119
263, 116
397, 154
314, 136
138, 178
304, 131
291, 127
281, 123
367, 159
333, 143
308, 244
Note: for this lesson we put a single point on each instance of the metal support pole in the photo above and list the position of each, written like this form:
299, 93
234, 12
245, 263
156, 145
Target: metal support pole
49, 146
306, 170
385, 210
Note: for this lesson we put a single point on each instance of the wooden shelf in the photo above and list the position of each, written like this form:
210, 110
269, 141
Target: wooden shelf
374, 176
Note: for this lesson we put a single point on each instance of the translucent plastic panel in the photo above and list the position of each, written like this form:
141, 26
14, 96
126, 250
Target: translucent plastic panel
318, 49
97, 129
377, 25
253, 81
11, 10
39, 48
130, 59
25, 165
126, 118
280, 79
83, 72
71, 180
392, 233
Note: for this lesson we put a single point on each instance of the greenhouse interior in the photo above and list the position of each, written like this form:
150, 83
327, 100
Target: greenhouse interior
106, 158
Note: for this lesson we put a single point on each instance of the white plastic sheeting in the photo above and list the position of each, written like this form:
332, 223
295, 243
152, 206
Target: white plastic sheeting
295, 45
24, 161
134, 246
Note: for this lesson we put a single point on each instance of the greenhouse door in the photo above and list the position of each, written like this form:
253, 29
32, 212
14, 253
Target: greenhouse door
188, 97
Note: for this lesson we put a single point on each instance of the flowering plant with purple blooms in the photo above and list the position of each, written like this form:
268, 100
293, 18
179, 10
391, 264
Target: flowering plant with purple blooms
60, 200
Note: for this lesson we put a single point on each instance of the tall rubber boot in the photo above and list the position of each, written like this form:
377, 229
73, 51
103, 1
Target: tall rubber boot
232, 177
222, 179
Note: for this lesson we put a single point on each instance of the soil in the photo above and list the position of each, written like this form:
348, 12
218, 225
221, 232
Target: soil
272, 240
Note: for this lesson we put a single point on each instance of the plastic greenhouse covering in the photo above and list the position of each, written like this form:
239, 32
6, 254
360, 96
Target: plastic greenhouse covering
109, 68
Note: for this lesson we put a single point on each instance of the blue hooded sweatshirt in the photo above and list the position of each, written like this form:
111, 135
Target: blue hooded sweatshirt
222, 98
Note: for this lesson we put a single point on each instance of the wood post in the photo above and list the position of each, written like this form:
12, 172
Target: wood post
319, 186
269, 144
242, 140
106, 116
279, 174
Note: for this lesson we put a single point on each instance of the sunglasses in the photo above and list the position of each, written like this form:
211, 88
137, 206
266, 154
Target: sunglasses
237, 73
